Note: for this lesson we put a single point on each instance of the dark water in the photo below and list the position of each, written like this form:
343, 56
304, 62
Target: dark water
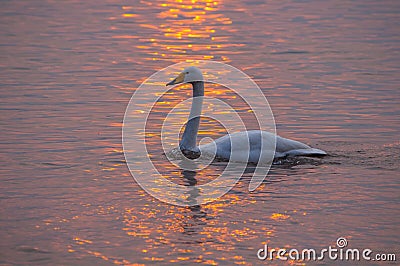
330, 70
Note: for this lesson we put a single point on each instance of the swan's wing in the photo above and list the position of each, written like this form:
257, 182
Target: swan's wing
246, 146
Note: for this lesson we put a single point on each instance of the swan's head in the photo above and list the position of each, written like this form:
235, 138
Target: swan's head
188, 75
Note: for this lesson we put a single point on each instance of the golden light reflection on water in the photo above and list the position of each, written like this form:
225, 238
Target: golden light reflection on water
182, 28
198, 223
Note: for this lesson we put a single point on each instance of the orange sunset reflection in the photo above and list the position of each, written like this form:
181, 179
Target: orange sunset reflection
198, 226
181, 28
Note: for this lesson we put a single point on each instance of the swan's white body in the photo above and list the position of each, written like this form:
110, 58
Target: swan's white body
246, 146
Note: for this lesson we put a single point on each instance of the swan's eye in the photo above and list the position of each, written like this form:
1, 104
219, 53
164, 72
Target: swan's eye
187, 72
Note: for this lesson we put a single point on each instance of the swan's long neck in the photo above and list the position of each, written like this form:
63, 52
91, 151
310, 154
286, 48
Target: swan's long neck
188, 141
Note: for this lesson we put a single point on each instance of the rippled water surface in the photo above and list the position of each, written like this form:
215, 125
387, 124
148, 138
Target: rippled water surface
330, 71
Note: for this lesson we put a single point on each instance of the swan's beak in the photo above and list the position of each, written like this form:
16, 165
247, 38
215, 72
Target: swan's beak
179, 79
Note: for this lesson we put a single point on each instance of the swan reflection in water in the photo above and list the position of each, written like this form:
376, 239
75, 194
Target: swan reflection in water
191, 181
197, 217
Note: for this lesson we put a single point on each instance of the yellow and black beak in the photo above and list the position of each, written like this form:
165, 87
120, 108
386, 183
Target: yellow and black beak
179, 79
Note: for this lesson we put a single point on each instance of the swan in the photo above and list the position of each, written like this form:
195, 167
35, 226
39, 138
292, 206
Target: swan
244, 146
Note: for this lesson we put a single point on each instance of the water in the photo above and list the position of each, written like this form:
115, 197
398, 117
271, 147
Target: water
329, 70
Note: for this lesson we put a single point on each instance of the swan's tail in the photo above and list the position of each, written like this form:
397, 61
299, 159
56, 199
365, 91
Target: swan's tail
311, 152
